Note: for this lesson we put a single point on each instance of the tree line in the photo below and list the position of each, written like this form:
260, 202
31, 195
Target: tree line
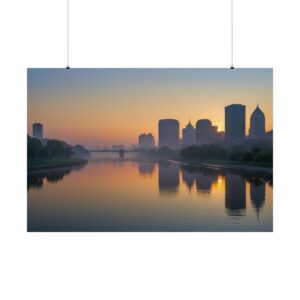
236, 154
53, 148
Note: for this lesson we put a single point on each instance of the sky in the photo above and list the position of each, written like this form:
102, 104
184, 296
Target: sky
101, 107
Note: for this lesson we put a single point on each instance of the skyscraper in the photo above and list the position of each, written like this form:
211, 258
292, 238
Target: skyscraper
257, 124
235, 118
37, 130
188, 135
168, 133
204, 131
146, 141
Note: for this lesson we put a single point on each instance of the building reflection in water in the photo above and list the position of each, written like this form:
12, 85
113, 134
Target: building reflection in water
188, 176
257, 195
168, 177
235, 195
205, 181
146, 168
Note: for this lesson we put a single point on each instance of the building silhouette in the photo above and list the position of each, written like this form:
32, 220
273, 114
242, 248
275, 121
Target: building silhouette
269, 135
204, 131
188, 135
235, 118
168, 133
235, 194
257, 124
37, 130
215, 130
146, 141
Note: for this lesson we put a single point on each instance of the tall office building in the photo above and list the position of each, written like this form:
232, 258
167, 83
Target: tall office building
204, 131
188, 135
146, 141
235, 118
37, 130
215, 130
168, 133
257, 124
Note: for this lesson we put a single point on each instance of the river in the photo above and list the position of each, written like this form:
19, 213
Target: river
135, 193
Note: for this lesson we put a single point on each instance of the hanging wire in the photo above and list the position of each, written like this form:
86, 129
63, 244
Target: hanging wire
68, 35
232, 67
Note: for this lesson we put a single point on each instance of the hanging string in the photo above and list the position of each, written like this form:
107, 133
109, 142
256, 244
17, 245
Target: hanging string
232, 67
68, 35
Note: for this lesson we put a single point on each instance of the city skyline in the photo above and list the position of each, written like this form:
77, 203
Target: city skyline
101, 107
204, 132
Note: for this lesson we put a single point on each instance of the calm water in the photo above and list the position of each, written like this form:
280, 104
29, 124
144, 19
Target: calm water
135, 194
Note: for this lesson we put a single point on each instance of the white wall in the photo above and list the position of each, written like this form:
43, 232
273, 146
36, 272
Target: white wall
156, 33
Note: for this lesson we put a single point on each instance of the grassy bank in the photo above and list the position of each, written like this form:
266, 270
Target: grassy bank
56, 162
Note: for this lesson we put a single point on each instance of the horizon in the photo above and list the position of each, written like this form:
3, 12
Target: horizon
87, 106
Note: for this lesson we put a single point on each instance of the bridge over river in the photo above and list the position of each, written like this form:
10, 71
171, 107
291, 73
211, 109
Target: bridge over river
120, 151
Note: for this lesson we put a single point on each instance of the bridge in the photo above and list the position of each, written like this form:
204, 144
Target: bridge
111, 150
120, 151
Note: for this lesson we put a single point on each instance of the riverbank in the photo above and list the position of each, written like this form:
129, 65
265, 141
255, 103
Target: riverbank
226, 165
46, 163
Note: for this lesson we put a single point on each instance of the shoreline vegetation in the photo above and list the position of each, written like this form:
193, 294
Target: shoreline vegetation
49, 154
237, 155
256, 159
56, 162
225, 165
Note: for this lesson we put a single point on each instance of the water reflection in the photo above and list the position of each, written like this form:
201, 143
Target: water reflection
235, 195
203, 178
188, 176
257, 194
113, 194
146, 168
168, 177
36, 179
204, 182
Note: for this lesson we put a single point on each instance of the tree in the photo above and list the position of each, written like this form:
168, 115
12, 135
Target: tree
44, 152
34, 147
191, 151
164, 150
264, 157
255, 150
247, 156
58, 148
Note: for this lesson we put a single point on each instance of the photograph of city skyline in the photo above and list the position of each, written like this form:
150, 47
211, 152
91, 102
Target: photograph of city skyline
150, 150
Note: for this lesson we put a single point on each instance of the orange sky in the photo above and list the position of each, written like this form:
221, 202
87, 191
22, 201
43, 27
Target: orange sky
101, 107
